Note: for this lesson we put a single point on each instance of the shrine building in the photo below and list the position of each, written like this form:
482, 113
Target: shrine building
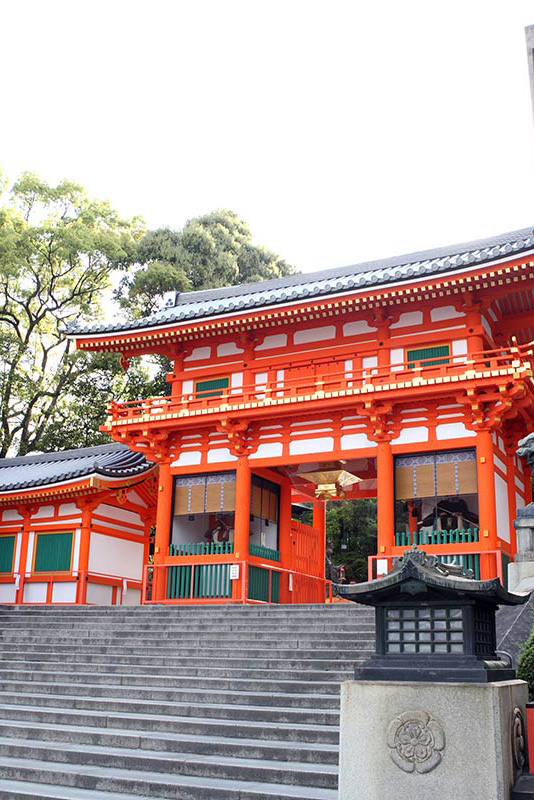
75, 526
408, 380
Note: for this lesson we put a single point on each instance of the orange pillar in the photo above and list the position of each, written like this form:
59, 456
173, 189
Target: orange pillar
163, 529
319, 523
486, 502
512, 505
242, 521
385, 498
25, 513
85, 542
286, 540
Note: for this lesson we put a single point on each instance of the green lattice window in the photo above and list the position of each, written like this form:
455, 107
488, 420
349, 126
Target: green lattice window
428, 356
7, 551
211, 388
53, 552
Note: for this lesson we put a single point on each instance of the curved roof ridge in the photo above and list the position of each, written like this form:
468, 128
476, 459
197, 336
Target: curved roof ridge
214, 302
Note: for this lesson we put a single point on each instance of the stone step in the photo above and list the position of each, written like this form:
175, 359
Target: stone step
288, 700
306, 752
231, 711
277, 730
206, 766
186, 682
137, 664
259, 653
136, 782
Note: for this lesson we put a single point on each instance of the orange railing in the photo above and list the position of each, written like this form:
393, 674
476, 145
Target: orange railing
329, 377
198, 583
81, 578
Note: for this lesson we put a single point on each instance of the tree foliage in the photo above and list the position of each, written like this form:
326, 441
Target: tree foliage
210, 251
58, 248
351, 535
525, 669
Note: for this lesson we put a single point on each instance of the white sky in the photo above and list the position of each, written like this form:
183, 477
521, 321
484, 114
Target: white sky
340, 131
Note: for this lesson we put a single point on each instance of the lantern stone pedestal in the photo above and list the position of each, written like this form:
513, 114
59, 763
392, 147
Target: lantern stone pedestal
459, 741
436, 711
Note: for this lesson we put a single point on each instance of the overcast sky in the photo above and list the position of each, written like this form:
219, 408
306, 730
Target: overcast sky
340, 131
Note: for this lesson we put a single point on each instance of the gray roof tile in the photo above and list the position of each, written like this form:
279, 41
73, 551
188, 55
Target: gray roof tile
113, 460
195, 305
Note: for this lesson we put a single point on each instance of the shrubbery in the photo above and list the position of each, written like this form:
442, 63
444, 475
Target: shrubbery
525, 670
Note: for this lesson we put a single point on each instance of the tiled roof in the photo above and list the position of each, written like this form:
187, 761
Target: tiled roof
213, 302
113, 460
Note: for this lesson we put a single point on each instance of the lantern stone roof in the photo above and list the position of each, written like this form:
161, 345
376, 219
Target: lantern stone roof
416, 568
111, 461
371, 274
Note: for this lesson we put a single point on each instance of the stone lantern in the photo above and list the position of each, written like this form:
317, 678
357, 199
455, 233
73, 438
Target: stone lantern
433, 623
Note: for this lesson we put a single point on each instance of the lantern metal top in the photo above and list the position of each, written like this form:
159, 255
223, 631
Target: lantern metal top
416, 573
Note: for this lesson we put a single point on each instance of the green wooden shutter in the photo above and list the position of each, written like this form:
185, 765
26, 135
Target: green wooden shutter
212, 388
428, 356
7, 550
53, 552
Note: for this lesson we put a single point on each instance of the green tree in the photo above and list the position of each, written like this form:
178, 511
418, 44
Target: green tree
351, 535
210, 251
58, 248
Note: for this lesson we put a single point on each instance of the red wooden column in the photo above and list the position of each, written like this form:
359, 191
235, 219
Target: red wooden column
286, 539
26, 513
487, 502
163, 529
385, 498
242, 522
319, 523
87, 507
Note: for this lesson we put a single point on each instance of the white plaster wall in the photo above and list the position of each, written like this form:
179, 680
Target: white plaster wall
110, 555
499, 463
370, 362
452, 430
10, 515
459, 350
76, 549
305, 446
64, 592
198, 354
357, 328
412, 435
68, 510
268, 450
35, 592
132, 597
187, 459
314, 334
396, 358
486, 326
236, 382
445, 312
7, 593
408, 318
187, 387
228, 349
220, 454
44, 511
119, 514
355, 441
270, 342
99, 595
519, 502
133, 497
29, 558
503, 514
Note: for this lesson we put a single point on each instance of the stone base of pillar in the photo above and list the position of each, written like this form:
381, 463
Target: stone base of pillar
419, 741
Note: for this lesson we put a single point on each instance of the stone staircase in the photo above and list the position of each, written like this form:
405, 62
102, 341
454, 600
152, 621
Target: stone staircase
229, 702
